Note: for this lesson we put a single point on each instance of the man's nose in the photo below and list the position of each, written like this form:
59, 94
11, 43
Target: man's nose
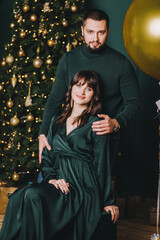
96, 37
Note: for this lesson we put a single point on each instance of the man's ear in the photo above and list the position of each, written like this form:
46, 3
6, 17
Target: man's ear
82, 30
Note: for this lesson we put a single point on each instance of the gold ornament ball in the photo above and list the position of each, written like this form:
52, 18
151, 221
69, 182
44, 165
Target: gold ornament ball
43, 77
37, 62
30, 117
10, 103
65, 23
74, 8
16, 16
15, 176
50, 42
29, 130
33, 154
141, 35
21, 53
14, 121
25, 8
33, 17
22, 34
1, 87
9, 59
12, 25
3, 63
49, 61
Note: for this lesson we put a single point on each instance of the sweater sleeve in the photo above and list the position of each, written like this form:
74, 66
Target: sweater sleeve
102, 167
56, 97
130, 93
47, 165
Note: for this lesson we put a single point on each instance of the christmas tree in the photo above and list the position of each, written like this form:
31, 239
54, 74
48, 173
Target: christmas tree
41, 33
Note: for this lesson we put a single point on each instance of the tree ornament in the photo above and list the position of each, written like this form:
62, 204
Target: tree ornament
18, 145
30, 117
10, 103
29, 130
35, 1
37, 62
64, 22
50, 42
1, 86
15, 176
67, 4
14, 80
3, 63
34, 35
68, 47
14, 121
22, 34
49, 61
33, 17
25, 8
43, 77
28, 101
9, 59
12, 25
74, 8
33, 154
46, 7
75, 43
21, 52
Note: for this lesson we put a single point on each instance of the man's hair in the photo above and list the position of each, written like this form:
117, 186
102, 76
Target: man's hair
97, 15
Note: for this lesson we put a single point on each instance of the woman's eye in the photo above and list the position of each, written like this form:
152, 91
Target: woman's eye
89, 89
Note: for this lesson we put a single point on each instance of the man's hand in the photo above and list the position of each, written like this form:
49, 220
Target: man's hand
104, 126
60, 183
43, 142
114, 212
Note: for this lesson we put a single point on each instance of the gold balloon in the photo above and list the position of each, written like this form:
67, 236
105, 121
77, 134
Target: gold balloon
141, 35
1, 87
14, 80
33, 17
9, 59
64, 22
10, 103
37, 62
74, 8
30, 117
50, 42
22, 34
15, 176
25, 8
14, 121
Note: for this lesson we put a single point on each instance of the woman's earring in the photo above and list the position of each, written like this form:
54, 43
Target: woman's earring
72, 102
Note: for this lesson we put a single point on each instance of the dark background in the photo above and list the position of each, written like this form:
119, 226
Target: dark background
136, 170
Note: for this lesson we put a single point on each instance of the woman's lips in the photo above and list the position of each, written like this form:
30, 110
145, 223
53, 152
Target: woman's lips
81, 97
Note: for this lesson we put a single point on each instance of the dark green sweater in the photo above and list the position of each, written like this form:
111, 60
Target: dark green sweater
119, 93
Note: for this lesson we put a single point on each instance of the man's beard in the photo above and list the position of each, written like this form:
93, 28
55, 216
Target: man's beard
95, 48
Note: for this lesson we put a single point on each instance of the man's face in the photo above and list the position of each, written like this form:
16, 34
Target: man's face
95, 33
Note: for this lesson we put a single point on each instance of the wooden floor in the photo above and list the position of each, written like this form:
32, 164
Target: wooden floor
133, 228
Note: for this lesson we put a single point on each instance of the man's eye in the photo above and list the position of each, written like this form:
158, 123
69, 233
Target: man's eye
90, 32
101, 33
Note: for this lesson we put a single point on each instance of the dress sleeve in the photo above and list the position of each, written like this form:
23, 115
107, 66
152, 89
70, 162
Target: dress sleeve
47, 165
56, 97
102, 167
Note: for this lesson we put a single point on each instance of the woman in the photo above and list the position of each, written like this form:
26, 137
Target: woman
76, 173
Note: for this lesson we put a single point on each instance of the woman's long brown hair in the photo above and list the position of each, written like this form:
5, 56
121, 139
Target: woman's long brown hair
94, 106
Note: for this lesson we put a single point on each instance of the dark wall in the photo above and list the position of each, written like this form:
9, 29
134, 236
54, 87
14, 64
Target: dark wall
137, 168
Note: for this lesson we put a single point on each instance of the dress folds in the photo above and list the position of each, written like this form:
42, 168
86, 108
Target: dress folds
42, 212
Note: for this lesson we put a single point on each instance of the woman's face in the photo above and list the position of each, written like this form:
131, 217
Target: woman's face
82, 93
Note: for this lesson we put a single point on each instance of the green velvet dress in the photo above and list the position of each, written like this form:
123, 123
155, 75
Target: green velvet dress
42, 212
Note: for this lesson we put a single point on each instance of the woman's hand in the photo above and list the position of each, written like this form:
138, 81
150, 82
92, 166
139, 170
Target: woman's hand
60, 183
114, 212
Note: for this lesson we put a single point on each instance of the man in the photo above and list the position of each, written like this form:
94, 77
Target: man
120, 94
